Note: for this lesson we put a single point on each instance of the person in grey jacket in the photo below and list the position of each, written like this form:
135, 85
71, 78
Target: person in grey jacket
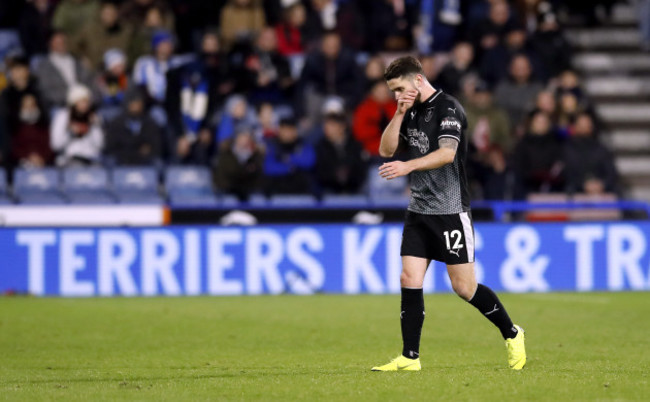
60, 71
517, 95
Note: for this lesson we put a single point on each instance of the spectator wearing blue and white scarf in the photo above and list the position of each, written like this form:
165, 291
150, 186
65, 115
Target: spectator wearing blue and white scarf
150, 71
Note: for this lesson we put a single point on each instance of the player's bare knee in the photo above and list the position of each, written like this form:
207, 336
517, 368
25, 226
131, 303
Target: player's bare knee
464, 289
409, 280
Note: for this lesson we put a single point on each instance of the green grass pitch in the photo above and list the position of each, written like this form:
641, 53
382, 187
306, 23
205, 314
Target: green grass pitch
580, 347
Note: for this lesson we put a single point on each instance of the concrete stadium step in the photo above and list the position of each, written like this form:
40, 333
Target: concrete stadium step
638, 166
599, 62
624, 13
604, 38
617, 86
629, 141
624, 113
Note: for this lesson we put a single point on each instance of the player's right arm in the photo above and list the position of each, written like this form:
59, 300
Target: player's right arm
390, 138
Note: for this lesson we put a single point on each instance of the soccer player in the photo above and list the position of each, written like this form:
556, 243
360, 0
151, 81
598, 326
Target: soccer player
429, 127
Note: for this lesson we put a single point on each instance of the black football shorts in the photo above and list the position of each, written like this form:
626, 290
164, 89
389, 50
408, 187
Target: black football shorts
444, 238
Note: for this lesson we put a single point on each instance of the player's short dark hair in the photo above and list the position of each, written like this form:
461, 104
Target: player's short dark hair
407, 65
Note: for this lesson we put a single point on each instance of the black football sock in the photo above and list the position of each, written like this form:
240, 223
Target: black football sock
412, 317
487, 302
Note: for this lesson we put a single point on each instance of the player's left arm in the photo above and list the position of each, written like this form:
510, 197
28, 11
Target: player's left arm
442, 156
450, 131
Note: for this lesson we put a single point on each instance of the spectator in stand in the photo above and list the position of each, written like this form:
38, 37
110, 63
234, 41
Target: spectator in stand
133, 137
538, 160
321, 18
34, 26
372, 116
289, 31
75, 134
267, 75
438, 26
196, 90
112, 83
102, 32
431, 68
546, 103
21, 83
490, 143
289, 162
589, 165
492, 30
240, 20
150, 71
341, 162
267, 120
70, 16
138, 12
461, 64
30, 139
240, 165
156, 18
568, 110
373, 71
237, 113
517, 94
59, 72
330, 70
495, 61
487, 123
388, 26
550, 44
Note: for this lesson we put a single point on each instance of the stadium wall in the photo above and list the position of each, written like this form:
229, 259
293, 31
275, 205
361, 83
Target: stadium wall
303, 259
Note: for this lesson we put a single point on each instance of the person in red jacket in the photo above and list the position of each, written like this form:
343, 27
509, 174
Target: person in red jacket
372, 115
289, 32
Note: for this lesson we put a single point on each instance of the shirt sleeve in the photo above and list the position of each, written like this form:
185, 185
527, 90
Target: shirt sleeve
451, 123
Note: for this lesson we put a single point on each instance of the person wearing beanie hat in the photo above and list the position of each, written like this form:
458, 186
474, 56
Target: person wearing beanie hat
76, 135
150, 71
113, 82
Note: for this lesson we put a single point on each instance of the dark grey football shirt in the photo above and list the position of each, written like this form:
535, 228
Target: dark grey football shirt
441, 191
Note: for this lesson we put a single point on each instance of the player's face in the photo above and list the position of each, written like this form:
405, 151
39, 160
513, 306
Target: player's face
407, 83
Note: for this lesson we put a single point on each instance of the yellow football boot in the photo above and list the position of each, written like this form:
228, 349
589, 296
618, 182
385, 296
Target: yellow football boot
516, 350
400, 363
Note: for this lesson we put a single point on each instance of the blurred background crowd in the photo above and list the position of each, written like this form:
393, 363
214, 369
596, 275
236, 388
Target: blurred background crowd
287, 96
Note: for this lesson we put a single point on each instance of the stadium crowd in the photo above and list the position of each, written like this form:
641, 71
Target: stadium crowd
287, 96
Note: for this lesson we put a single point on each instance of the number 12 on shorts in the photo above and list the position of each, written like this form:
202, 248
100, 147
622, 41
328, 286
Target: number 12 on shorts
456, 236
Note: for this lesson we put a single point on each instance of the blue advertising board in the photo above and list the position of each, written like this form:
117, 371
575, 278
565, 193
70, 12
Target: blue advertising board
303, 259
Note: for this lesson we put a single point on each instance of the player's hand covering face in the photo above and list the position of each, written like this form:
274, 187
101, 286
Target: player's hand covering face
406, 93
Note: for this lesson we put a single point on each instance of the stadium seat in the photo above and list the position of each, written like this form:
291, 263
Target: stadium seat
136, 185
389, 201
292, 201
87, 185
379, 187
38, 186
345, 201
190, 185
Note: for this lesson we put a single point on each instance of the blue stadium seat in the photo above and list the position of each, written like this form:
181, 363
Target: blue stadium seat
389, 201
379, 187
345, 201
292, 201
136, 185
190, 185
87, 185
38, 186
